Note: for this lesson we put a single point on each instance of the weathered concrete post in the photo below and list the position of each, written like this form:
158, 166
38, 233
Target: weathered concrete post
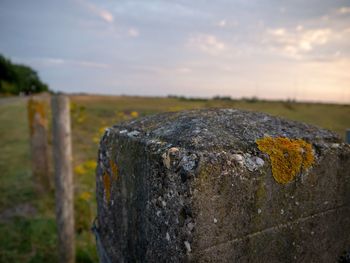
222, 186
64, 186
37, 118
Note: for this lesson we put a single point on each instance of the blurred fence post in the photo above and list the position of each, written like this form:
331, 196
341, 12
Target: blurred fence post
37, 118
64, 187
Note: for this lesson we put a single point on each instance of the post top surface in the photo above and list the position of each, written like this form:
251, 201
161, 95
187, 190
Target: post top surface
220, 129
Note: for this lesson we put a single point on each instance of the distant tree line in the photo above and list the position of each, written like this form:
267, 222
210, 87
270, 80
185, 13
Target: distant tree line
19, 79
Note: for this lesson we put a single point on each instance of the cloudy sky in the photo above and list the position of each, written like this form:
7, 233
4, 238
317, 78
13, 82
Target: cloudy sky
267, 48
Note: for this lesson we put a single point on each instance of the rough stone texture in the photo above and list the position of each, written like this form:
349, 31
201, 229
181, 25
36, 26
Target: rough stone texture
193, 187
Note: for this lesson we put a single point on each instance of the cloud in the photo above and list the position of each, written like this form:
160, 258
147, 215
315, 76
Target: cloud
159, 9
104, 14
222, 23
57, 61
184, 70
89, 64
209, 44
162, 70
133, 32
344, 10
278, 32
298, 41
72, 62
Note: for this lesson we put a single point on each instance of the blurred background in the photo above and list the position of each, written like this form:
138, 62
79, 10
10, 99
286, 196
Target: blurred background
119, 60
268, 49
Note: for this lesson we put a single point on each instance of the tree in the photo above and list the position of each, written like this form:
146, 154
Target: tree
16, 79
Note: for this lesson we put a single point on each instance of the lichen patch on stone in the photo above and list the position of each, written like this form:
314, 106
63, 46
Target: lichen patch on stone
288, 157
107, 186
114, 170
109, 178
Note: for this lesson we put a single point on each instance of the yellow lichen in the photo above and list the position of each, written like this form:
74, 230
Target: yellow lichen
114, 170
107, 186
109, 178
288, 157
36, 113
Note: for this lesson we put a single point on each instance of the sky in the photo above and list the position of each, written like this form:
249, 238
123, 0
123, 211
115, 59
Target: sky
272, 49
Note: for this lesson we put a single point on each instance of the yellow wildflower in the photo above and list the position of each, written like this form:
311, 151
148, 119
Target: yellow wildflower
86, 196
79, 170
134, 114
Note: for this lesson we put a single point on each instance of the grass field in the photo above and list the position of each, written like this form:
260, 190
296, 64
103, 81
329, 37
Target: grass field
27, 225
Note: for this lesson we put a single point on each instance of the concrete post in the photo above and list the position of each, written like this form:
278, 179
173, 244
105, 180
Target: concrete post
222, 186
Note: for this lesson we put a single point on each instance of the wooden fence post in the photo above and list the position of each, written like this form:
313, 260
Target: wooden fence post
37, 118
64, 187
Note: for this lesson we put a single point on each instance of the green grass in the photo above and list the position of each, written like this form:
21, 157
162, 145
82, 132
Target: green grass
22, 239
14, 161
32, 237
